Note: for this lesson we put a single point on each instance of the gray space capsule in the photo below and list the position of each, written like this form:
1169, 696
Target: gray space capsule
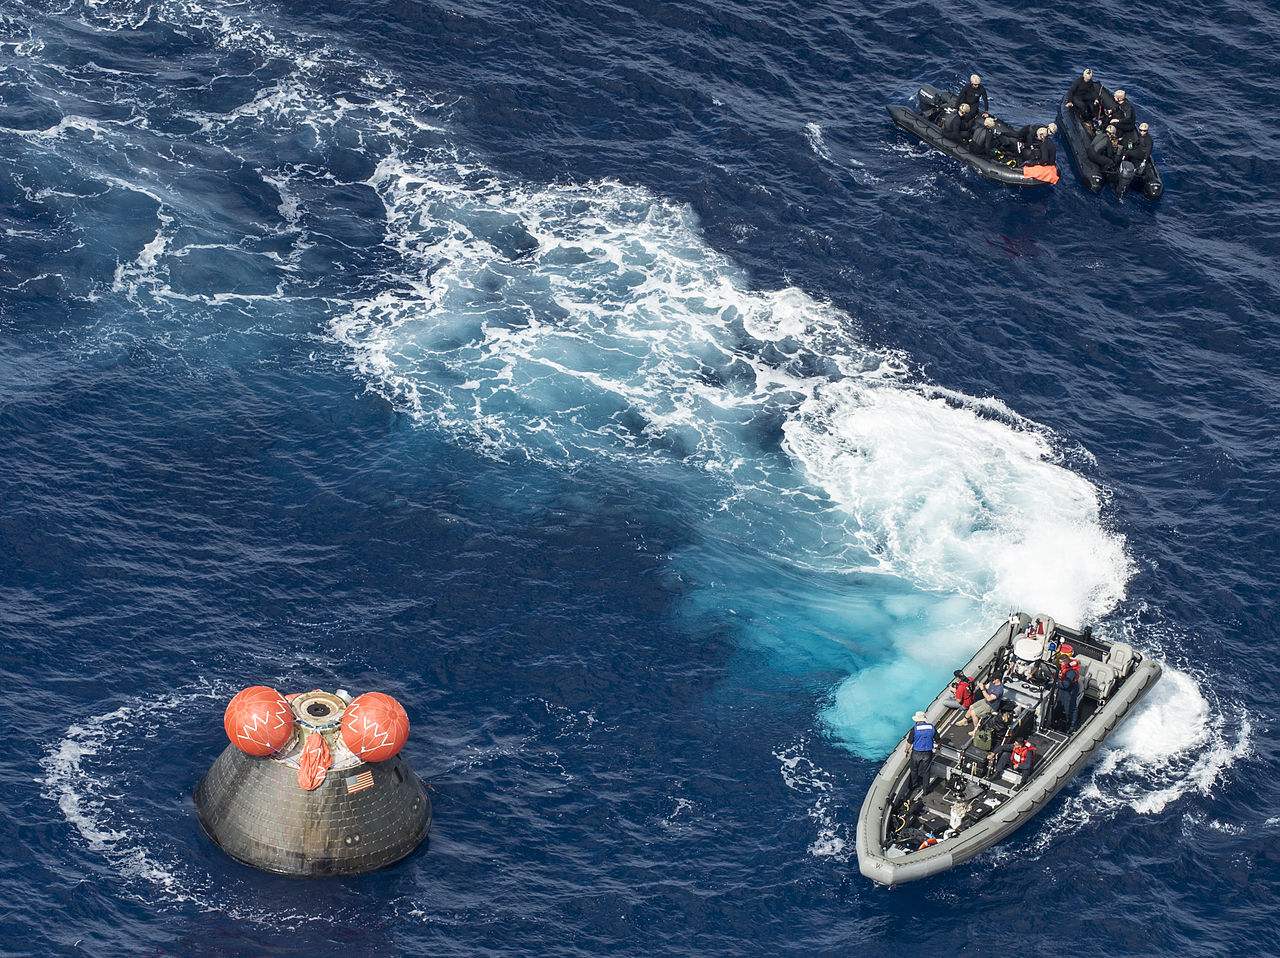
314, 785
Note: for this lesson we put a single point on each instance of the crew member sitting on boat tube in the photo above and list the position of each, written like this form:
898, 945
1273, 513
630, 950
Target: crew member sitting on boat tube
992, 694
1119, 111
1021, 755
1137, 147
920, 751
1083, 97
1041, 151
1104, 150
959, 124
983, 142
962, 692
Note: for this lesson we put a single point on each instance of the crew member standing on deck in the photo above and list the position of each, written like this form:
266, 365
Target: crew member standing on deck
1069, 688
974, 94
920, 750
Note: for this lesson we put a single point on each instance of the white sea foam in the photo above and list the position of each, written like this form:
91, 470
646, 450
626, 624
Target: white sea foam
802, 775
575, 324
813, 133
95, 804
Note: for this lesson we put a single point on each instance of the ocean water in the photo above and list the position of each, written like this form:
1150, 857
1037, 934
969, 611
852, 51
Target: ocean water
615, 386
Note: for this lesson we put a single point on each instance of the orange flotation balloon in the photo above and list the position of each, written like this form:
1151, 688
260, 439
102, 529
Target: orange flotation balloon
375, 727
258, 721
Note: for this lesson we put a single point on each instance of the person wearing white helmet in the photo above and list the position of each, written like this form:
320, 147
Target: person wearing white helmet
1119, 112
974, 94
1137, 147
1083, 97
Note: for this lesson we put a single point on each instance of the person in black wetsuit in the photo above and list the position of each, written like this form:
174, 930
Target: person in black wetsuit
1029, 134
959, 124
984, 138
1137, 147
1042, 151
1083, 97
974, 94
1104, 151
1120, 112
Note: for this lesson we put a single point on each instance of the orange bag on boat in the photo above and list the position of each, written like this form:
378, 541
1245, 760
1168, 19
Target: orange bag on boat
1047, 173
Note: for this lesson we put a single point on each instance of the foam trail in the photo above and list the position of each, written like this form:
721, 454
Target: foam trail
581, 324
852, 514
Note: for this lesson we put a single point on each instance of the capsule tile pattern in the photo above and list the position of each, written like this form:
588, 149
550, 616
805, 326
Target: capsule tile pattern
254, 810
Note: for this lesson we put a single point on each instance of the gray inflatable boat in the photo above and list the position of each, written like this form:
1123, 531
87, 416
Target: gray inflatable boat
964, 808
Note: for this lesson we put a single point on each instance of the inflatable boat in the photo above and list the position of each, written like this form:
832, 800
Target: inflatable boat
926, 123
1147, 179
965, 802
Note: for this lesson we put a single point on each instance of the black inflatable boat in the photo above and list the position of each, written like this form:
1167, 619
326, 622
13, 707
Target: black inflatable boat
1147, 180
926, 123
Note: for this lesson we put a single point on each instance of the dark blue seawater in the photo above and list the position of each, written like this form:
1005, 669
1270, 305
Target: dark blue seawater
614, 385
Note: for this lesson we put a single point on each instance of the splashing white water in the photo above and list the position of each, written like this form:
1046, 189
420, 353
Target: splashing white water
858, 514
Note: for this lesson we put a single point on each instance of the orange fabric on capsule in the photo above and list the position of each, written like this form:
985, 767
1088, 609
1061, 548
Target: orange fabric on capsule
314, 762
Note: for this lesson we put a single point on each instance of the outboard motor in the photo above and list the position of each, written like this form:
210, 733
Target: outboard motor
1124, 176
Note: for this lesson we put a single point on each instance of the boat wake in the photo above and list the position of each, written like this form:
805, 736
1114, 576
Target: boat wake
856, 516
1175, 743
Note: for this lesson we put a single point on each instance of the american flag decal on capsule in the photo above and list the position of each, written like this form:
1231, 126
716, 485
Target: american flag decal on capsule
358, 783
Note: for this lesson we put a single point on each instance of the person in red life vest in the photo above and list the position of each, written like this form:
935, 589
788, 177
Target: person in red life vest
920, 752
962, 692
1069, 687
1022, 756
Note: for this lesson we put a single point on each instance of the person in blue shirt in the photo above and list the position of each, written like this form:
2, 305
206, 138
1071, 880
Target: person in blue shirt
920, 752
992, 693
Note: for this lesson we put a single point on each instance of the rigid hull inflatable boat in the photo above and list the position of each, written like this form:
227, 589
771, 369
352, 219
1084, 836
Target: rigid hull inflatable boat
905, 834
926, 123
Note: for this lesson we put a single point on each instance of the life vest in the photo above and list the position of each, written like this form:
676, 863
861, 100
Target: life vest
1069, 665
927, 842
922, 737
1023, 754
964, 693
